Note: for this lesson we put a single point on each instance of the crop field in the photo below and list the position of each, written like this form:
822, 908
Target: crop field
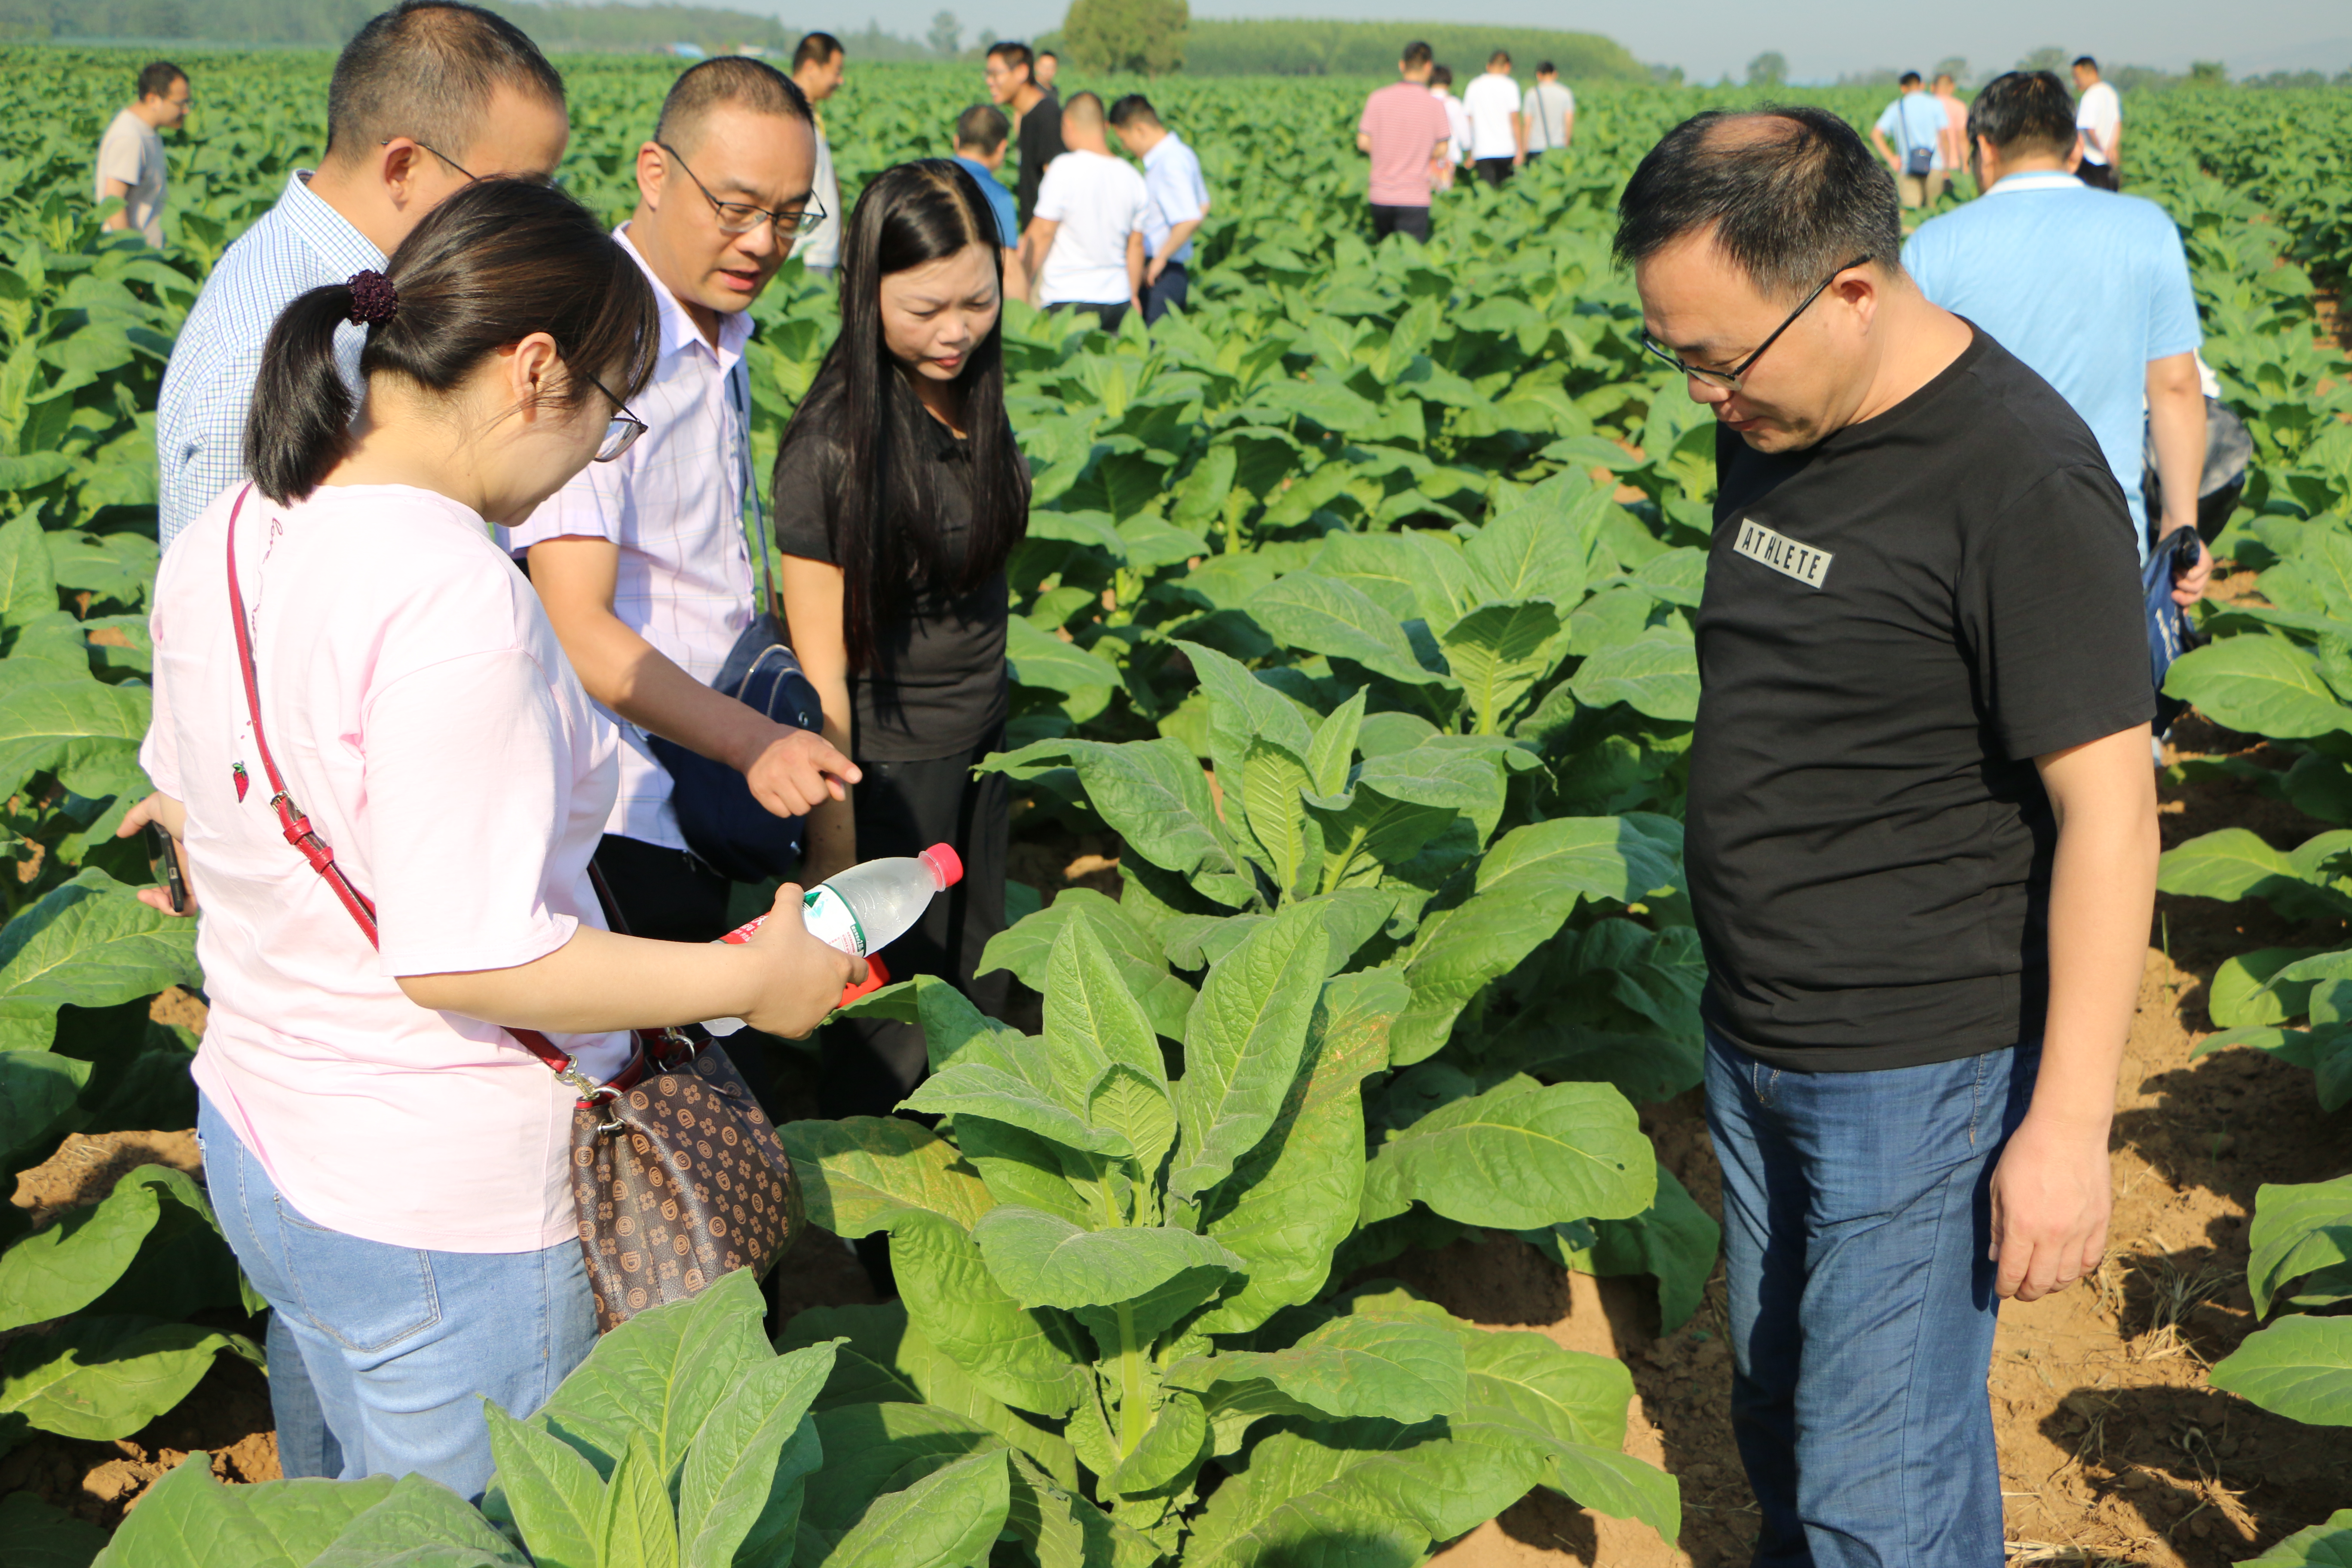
1353, 684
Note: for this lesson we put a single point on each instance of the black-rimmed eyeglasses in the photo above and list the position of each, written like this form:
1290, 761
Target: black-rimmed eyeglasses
622, 433
1729, 380
536, 179
743, 218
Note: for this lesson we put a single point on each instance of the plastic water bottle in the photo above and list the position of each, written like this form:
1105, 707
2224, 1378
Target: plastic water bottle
864, 909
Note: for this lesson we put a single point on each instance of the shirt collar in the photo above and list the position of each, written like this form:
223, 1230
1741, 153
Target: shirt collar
2035, 180
327, 231
1160, 149
677, 329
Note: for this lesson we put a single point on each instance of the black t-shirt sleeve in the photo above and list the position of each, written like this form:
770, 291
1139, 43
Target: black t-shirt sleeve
803, 499
2053, 618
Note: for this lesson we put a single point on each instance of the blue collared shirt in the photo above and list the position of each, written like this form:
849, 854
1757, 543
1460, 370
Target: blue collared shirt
2086, 286
1000, 201
1171, 178
298, 245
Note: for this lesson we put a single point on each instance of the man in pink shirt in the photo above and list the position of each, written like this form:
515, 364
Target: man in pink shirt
1405, 131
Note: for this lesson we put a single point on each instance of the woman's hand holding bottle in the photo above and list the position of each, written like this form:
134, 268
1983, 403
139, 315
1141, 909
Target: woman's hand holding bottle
800, 979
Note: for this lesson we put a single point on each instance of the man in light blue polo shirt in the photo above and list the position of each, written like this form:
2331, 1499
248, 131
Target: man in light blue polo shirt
1915, 121
1179, 200
2088, 287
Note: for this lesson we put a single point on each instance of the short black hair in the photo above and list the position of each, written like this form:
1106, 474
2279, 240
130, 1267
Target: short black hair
1908, 79
2086, 60
1791, 192
427, 69
983, 126
1416, 54
2024, 112
1134, 110
751, 84
155, 81
1014, 53
1544, 68
1499, 57
1049, 54
816, 49
1441, 76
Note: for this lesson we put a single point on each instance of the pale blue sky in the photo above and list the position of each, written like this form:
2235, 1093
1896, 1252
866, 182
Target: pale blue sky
1821, 37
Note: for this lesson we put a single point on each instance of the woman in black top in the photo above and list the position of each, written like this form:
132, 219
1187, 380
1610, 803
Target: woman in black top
898, 494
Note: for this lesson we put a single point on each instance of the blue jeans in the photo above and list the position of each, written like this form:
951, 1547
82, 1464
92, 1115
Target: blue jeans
1856, 1220
401, 1343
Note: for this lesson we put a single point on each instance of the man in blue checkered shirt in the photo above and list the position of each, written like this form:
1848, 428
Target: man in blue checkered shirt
426, 98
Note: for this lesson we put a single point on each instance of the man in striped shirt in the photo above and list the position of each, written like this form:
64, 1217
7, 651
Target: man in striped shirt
642, 562
428, 96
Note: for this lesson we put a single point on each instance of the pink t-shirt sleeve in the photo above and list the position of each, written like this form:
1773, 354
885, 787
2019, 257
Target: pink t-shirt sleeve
463, 761
159, 753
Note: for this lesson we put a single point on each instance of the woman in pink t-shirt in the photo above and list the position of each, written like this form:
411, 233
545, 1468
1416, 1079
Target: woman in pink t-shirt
389, 1165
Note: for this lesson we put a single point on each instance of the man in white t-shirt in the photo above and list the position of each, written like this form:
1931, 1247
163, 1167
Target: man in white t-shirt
1498, 138
817, 70
1085, 244
643, 563
1458, 119
2099, 128
130, 154
1548, 114
1179, 202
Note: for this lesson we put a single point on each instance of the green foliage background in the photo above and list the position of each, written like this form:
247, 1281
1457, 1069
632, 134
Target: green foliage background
1427, 518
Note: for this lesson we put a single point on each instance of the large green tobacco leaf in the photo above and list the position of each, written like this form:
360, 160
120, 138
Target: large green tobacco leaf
2300, 1367
1092, 1022
1242, 709
1274, 786
1242, 1044
633, 1524
658, 1377
1519, 1157
104, 1377
2262, 685
947, 1520
1294, 1198
1536, 550
549, 1488
856, 1174
39, 1536
888, 1360
1674, 1240
1040, 659
2227, 864
2326, 1545
28, 584
1655, 674
157, 1218
89, 943
64, 724
871, 1452
1025, 1358
37, 1092
1316, 613
1498, 652
1152, 793
2298, 1230
1028, 946
744, 1477
188, 1519
1043, 1261
1399, 1370
1527, 886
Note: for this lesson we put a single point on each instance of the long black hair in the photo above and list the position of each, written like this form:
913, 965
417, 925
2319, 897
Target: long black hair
889, 543
498, 261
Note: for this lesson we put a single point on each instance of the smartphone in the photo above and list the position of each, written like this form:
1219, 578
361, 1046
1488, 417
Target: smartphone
166, 864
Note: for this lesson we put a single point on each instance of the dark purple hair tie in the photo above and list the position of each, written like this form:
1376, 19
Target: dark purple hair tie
374, 299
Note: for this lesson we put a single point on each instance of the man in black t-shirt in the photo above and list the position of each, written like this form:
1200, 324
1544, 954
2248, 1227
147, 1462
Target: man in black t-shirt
1921, 836
1037, 114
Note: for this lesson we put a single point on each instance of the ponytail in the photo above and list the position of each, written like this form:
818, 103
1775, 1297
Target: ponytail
494, 263
300, 423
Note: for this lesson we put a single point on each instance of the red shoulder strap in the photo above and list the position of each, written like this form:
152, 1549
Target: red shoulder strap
317, 851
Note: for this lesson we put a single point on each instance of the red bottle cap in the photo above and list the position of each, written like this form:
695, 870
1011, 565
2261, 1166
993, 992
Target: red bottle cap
946, 865
876, 977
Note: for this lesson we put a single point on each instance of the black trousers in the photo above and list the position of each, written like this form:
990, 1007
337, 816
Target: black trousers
1110, 315
2098, 177
1387, 220
1173, 287
904, 808
668, 895
1495, 170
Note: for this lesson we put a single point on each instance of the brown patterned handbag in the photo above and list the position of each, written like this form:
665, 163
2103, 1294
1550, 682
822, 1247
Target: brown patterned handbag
679, 1176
